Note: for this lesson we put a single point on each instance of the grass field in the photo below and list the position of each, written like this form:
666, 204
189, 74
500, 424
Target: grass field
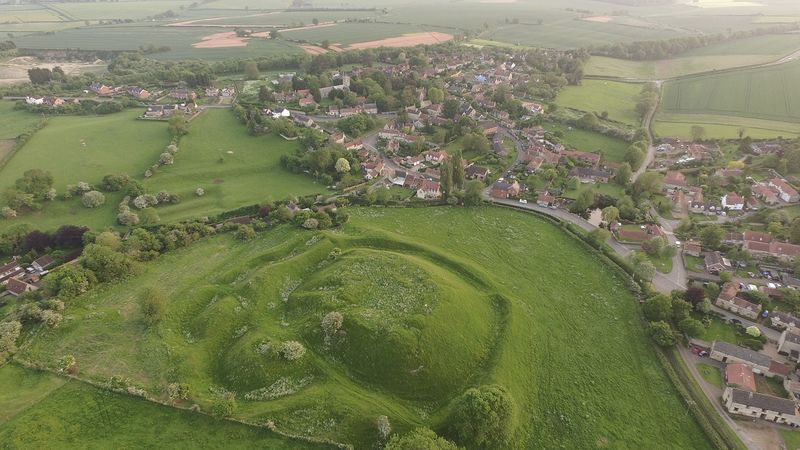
131, 37
791, 439
612, 149
288, 18
250, 174
45, 411
15, 123
617, 99
434, 300
352, 33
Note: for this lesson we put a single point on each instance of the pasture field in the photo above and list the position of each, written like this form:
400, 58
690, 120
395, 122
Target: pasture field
722, 127
94, 418
234, 169
33, 14
130, 9
617, 99
612, 149
131, 37
290, 18
726, 55
14, 122
434, 300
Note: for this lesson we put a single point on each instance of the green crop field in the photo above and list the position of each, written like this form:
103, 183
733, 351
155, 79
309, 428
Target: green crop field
131, 37
612, 149
722, 127
725, 55
88, 417
288, 18
233, 168
617, 99
434, 300
130, 9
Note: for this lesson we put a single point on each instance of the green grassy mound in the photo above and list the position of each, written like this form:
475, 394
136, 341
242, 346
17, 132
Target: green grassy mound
434, 301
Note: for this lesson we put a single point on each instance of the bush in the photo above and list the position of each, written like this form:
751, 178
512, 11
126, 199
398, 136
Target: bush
332, 323
310, 224
200, 192
292, 350
166, 159
224, 406
127, 217
114, 183
51, 318
8, 213
419, 439
9, 332
244, 233
93, 199
384, 427
482, 417
152, 305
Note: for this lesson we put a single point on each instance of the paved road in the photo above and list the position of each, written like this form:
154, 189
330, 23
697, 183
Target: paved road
651, 148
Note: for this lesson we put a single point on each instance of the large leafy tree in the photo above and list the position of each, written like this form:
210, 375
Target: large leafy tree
483, 417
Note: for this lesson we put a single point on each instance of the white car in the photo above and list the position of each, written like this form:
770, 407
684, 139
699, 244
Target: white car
523, 201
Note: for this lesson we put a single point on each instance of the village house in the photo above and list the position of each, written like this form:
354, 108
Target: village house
373, 170
504, 189
715, 263
100, 88
545, 200
786, 193
370, 108
18, 287
766, 194
784, 321
42, 263
435, 157
759, 363
740, 376
728, 300
307, 102
590, 159
692, 248
356, 144
34, 100
782, 250
10, 270
182, 94
789, 344
674, 180
767, 407
473, 172
429, 190
137, 92
588, 175
732, 201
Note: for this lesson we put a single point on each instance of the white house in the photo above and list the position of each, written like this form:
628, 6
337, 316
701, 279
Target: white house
733, 201
34, 100
767, 407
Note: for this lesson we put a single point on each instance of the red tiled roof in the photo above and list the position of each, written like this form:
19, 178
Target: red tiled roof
740, 375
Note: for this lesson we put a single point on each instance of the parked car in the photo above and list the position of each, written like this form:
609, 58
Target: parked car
523, 201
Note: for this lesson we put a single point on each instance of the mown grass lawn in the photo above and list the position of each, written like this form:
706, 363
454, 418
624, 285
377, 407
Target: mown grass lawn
597, 96
710, 373
791, 439
434, 300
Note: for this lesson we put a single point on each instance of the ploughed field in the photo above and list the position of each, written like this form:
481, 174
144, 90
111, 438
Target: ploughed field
433, 300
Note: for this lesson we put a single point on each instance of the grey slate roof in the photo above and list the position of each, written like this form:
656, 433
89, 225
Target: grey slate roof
742, 353
765, 402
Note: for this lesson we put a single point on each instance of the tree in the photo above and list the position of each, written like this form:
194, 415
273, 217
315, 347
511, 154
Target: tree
794, 232
450, 108
292, 350
435, 95
245, 233
655, 246
694, 295
657, 308
224, 405
36, 182
69, 281
166, 159
152, 304
588, 121
109, 239
476, 143
662, 334
583, 202
265, 95
107, 264
332, 323
704, 306
69, 236
650, 183
680, 309
274, 34
697, 132
610, 214
457, 167
623, 175
473, 193
342, 165
114, 183
419, 439
384, 428
39, 75
711, 236
446, 178
251, 70
691, 327
177, 124
634, 156
93, 199
482, 416
598, 237
127, 217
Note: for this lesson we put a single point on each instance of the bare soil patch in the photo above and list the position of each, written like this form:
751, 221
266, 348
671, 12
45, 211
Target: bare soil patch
15, 70
335, 47
221, 40
313, 49
406, 40
599, 19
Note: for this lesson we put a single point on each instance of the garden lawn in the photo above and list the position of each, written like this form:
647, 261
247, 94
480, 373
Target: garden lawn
710, 373
597, 96
791, 439
612, 149
88, 417
662, 263
234, 168
720, 331
434, 300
